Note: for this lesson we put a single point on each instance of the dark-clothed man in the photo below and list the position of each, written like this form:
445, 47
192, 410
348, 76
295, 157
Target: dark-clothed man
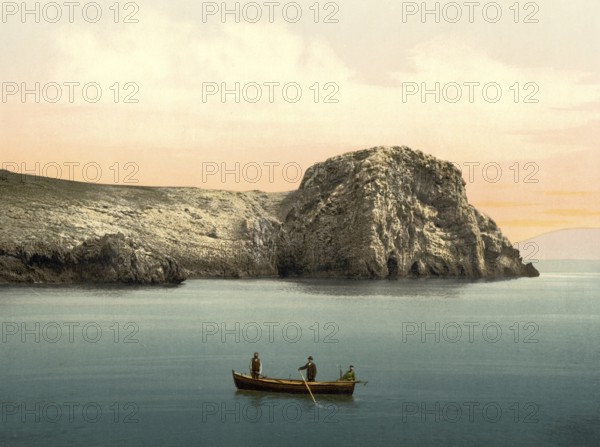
255, 366
311, 370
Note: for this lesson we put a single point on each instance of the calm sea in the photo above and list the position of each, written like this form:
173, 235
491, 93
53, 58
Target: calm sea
447, 362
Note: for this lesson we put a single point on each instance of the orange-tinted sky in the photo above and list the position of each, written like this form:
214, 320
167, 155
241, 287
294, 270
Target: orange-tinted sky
540, 138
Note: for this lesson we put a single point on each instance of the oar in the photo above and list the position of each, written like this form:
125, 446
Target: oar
308, 388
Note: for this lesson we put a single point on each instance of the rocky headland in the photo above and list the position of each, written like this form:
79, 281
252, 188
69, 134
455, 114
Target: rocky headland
385, 212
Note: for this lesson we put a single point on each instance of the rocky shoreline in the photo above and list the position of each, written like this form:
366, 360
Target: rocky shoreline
380, 213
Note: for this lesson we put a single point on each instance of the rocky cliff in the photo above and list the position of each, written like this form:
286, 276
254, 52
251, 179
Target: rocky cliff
391, 212
60, 231
378, 213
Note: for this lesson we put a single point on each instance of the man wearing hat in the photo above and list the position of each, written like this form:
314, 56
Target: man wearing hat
349, 376
255, 366
311, 369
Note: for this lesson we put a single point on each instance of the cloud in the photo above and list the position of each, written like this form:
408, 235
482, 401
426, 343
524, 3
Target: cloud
539, 223
170, 58
568, 193
501, 204
175, 58
448, 60
586, 135
573, 212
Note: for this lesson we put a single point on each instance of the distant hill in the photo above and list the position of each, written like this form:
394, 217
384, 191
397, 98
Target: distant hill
573, 243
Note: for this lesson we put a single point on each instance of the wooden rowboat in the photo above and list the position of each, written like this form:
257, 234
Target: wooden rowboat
246, 382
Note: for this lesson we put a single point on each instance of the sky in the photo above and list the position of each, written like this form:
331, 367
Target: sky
180, 94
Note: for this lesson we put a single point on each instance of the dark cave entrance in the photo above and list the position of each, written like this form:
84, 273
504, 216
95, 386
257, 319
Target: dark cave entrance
392, 266
414, 270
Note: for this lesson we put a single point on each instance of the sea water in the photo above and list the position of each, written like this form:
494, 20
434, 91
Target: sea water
448, 362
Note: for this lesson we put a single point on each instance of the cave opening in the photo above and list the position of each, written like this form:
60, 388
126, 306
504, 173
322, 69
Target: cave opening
392, 266
414, 269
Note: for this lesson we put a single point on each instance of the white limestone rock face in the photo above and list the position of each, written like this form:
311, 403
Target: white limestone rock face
385, 212
390, 212
61, 231
108, 259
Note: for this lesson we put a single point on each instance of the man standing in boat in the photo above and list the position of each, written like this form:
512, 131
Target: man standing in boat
255, 366
311, 369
